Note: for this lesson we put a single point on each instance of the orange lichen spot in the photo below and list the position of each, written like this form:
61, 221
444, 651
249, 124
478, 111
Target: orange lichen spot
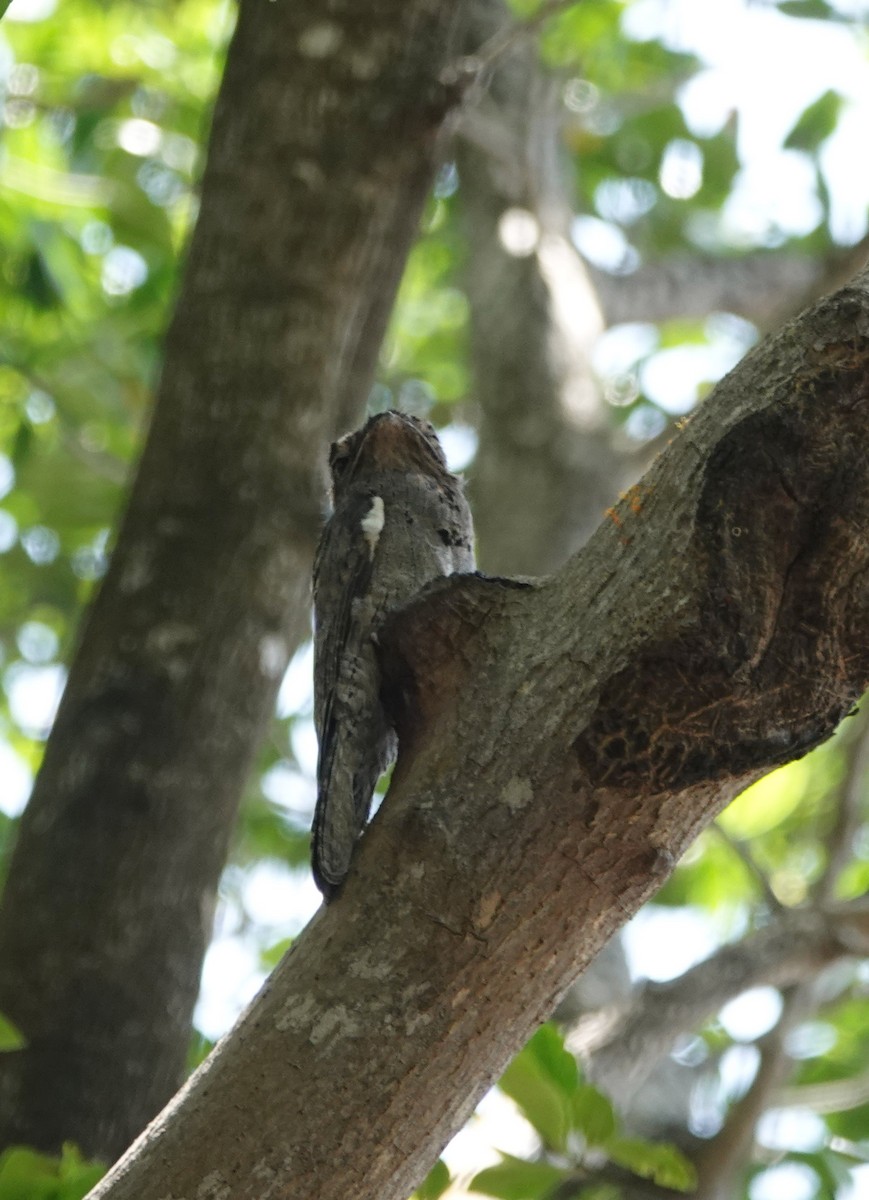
635, 497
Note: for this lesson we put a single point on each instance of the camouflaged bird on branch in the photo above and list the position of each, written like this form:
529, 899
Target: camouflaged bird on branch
399, 520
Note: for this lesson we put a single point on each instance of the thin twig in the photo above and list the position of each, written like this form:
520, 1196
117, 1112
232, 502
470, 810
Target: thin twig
730, 1150
511, 35
832, 1096
849, 799
748, 861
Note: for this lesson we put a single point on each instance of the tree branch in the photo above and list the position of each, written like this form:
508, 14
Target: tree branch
622, 1049
546, 468
766, 287
561, 745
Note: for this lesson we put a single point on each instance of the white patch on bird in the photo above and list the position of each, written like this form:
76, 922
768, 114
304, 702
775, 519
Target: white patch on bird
373, 522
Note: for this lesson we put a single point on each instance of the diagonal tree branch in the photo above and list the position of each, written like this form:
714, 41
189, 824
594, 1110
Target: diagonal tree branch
561, 744
622, 1048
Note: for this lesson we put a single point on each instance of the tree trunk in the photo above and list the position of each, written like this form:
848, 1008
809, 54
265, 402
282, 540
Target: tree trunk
546, 467
323, 146
561, 745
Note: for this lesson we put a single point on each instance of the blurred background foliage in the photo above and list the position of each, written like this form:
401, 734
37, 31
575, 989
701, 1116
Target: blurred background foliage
104, 107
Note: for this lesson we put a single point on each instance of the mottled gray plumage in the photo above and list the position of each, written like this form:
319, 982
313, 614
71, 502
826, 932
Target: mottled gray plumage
399, 520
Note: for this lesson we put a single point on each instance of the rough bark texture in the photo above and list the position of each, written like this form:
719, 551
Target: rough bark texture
321, 153
561, 745
546, 467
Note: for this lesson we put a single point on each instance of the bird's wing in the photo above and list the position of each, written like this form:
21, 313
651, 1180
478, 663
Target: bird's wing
343, 662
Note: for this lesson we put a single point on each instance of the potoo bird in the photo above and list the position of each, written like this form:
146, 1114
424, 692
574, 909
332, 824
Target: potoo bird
399, 520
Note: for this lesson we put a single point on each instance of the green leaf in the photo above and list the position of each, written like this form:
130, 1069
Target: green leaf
514, 1179
77, 1175
660, 1162
435, 1183
815, 123
27, 1175
558, 1064
11, 1038
199, 1049
593, 1114
541, 1100
39, 284
815, 10
272, 955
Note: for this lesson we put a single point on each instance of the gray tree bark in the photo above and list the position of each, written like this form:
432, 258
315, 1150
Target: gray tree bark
561, 745
322, 150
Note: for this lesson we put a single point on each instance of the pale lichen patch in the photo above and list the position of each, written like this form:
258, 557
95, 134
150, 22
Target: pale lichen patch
213, 1187
173, 645
335, 1022
263, 1170
137, 574
295, 1013
309, 172
364, 67
320, 40
416, 1021
370, 967
517, 793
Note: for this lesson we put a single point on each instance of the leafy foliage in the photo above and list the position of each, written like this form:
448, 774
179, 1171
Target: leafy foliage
571, 1118
26, 1175
11, 1038
436, 1182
